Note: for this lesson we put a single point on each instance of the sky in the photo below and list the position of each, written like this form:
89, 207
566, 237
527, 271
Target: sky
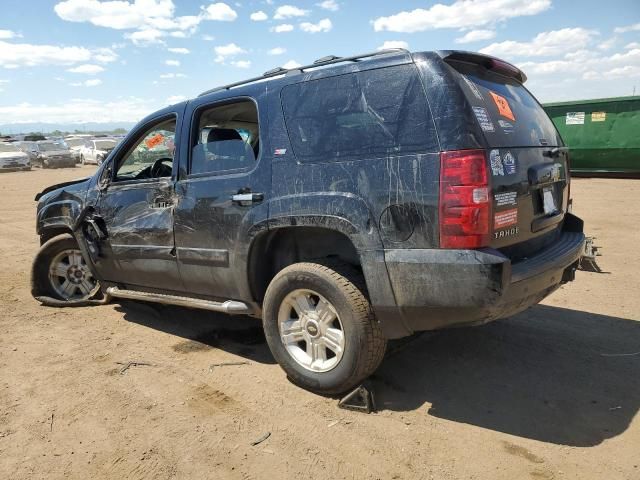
77, 61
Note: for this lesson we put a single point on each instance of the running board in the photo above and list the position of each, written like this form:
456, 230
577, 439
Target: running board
229, 306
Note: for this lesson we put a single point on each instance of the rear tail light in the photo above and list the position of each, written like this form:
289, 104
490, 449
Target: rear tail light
465, 209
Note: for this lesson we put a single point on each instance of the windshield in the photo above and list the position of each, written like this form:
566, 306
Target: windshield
7, 147
105, 144
507, 113
75, 142
50, 147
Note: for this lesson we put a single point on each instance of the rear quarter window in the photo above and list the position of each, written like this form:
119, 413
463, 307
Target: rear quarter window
374, 113
507, 113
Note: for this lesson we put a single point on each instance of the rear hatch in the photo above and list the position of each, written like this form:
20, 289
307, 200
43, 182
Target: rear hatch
529, 183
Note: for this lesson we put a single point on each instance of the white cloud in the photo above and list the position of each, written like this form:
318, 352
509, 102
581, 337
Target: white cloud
13, 55
460, 14
323, 25
259, 16
173, 99
241, 63
129, 109
476, 35
289, 11
146, 36
178, 50
331, 5
291, 64
544, 44
225, 51
115, 14
394, 44
208, 38
172, 63
284, 27
105, 55
86, 68
87, 83
608, 44
173, 75
629, 28
221, 12
277, 51
631, 45
8, 34
147, 17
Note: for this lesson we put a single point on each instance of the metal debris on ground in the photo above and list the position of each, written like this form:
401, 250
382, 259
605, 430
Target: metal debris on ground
359, 400
128, 365
261, 439
226, 364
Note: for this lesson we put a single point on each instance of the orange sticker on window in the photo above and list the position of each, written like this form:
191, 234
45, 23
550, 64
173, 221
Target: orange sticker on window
154, 141
503, 106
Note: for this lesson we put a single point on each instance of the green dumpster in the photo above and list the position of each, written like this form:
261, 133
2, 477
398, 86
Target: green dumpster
603, 135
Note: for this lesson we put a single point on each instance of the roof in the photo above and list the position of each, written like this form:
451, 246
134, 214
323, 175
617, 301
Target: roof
593, 100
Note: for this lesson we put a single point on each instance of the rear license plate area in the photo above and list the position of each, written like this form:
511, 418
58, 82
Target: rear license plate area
549, 204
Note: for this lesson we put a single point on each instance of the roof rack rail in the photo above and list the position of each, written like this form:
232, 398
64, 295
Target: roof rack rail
321, 62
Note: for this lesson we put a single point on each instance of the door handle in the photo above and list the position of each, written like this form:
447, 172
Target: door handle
245, 199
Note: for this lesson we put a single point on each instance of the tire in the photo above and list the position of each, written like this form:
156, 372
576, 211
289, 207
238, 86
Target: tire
363, 342
45, 284
45, 163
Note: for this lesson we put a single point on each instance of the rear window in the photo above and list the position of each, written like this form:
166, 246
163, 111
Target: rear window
366, 114
507, 113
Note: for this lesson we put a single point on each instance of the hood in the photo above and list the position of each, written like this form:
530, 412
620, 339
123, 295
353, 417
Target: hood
8, 155
58, 186
55, 153
105, 151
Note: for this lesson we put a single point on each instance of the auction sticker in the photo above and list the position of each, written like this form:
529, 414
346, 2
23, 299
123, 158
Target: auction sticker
504, 108
505, 218
505, 198
598, 116
497, 169
483, 119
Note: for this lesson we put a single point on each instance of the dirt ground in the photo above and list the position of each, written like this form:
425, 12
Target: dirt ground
550, 394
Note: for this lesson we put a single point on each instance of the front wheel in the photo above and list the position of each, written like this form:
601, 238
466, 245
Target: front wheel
320, 327
60, 271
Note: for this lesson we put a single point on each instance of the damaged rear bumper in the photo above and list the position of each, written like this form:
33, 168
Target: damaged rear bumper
443, 288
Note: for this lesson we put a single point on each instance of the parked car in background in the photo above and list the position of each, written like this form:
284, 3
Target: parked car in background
12, 158
96, 150
75, 144
48, 154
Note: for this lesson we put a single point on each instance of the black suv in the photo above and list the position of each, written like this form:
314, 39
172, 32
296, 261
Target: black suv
347, 202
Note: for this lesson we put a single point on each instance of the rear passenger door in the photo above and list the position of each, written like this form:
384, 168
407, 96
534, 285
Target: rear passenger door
221, 194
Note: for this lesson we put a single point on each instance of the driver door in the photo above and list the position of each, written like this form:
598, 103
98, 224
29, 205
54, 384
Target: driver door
135, 209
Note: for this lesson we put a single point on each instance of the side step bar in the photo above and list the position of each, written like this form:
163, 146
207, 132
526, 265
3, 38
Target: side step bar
229, 306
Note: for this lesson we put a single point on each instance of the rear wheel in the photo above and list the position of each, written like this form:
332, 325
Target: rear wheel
320, 327
60, 271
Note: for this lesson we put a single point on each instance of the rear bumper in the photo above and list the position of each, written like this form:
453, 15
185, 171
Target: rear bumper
443, 288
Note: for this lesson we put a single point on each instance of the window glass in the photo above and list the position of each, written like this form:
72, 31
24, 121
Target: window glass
507, 113
227, 138
7, 147
372, 113
152, 156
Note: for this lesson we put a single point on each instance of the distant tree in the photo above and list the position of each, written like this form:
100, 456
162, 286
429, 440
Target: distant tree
120, 130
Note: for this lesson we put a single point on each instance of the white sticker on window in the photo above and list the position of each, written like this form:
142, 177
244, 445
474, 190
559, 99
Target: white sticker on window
483, 119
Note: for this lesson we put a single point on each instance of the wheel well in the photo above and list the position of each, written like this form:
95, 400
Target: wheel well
275, 250
49, 233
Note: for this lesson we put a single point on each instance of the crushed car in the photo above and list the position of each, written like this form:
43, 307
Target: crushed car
345, 203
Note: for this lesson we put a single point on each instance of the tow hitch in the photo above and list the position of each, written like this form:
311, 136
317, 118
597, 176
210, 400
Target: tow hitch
588, 261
